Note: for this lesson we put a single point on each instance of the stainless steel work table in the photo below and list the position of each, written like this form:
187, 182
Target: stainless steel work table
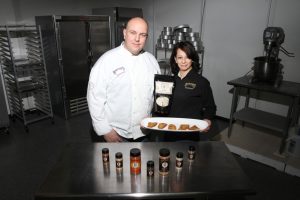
80, 174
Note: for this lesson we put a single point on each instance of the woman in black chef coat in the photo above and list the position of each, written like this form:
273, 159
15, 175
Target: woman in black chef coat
193, 97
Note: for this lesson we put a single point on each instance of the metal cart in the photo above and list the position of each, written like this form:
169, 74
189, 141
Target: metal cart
24, 73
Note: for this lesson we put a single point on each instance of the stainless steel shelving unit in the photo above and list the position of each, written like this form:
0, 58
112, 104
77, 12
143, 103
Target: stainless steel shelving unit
169, 37
164, 60
25, 76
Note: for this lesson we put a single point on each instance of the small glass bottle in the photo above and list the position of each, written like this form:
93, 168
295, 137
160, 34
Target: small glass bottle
164, 161
106, 170
119, 161
150, 168
105, 156
191, 153
135, 161
179, 160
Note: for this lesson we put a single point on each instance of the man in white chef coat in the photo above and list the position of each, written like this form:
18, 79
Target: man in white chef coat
121, 83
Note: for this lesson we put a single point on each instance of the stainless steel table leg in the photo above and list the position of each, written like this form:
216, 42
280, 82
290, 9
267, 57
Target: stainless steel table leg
246, 102
296, 112
233, 109
289, 119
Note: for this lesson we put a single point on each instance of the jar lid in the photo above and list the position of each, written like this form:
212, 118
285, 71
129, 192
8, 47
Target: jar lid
150, 163
192, 148
105, 150
164, 152
135, 152
118, 155
179, 155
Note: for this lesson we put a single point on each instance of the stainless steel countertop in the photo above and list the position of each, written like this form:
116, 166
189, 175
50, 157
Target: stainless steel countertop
80, 173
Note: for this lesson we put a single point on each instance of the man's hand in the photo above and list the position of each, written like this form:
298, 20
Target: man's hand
112, 136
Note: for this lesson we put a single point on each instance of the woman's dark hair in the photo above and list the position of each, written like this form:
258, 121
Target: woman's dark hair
191, 53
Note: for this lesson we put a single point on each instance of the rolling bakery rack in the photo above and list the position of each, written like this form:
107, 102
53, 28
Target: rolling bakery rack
24, 73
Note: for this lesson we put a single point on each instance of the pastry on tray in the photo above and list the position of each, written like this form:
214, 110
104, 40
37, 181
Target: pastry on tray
181, 125
171, 127
162, 125
151, 124
194, 128
184, 127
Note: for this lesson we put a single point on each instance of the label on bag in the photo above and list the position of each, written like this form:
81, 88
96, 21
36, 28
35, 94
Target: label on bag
163, 87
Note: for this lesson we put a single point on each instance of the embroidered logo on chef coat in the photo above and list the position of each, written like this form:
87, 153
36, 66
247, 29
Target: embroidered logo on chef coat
190, 86
119, 71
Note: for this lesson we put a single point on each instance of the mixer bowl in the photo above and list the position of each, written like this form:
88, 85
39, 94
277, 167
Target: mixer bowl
266, 70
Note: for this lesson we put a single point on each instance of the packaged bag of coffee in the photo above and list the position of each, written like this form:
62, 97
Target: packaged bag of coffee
163, 93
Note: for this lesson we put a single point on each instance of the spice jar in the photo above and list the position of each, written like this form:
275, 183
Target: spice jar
135, 161
150, 168
179, 160
105, 155
191, 153
164, 161
119, 161
106, 170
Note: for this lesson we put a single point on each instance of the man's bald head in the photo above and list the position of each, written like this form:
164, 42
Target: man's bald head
136, 20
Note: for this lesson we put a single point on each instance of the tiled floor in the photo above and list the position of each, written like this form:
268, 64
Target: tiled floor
26, 159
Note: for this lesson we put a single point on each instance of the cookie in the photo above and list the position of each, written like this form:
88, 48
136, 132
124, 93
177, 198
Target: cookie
171, 127
162, 125
151, 124
184, 127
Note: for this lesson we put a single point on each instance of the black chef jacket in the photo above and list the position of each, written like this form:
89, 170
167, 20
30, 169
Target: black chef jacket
193, 97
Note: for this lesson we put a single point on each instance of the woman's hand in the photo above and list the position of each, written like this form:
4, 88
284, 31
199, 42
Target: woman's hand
208, 127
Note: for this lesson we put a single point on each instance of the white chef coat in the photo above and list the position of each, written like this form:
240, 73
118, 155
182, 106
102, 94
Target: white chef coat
120, 91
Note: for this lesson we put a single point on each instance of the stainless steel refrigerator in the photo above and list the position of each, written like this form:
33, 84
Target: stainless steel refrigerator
72, 44
119, 17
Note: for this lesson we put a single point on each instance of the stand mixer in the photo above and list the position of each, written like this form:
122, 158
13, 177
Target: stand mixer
268, 68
